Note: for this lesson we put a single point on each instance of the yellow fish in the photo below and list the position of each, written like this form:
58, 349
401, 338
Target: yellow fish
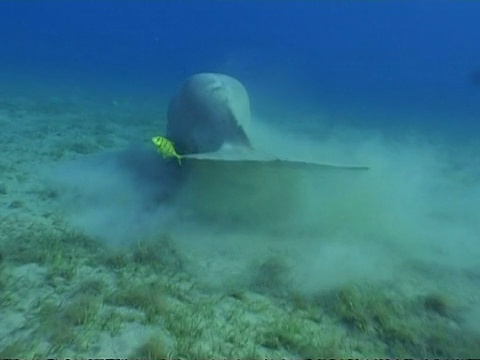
166, 148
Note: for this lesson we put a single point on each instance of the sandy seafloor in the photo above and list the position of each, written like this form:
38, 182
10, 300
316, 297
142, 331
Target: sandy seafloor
180, 292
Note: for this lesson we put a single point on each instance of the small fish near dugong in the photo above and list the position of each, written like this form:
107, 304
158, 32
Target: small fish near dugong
208, 111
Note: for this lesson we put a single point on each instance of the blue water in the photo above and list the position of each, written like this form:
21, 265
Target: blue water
382, 61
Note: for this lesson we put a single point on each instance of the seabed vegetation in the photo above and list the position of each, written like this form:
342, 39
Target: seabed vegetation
69, 296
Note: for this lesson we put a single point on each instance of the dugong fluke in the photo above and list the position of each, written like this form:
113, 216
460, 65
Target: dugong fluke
209, 111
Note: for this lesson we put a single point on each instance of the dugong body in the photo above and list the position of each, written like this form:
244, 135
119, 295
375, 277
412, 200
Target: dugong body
238, 184
210, 110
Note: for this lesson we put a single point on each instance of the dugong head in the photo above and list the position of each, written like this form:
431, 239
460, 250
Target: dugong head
209, 111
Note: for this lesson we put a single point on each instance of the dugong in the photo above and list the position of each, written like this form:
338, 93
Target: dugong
226, 176
209, 111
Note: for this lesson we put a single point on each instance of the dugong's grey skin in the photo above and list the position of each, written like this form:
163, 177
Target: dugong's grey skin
209, 111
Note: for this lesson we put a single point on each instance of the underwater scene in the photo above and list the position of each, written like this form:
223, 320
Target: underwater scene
239, 179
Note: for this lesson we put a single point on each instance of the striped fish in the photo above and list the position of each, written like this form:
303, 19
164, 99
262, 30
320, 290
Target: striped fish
166, 148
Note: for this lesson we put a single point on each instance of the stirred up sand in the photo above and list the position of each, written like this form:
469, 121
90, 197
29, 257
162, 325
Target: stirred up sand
99, 260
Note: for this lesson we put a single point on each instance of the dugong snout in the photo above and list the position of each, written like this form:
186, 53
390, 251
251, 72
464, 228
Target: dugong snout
210, 110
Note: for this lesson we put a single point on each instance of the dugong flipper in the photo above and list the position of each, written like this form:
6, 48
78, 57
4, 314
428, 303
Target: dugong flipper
209, 111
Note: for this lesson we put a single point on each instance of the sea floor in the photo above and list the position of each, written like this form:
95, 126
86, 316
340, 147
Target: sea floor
66, 293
